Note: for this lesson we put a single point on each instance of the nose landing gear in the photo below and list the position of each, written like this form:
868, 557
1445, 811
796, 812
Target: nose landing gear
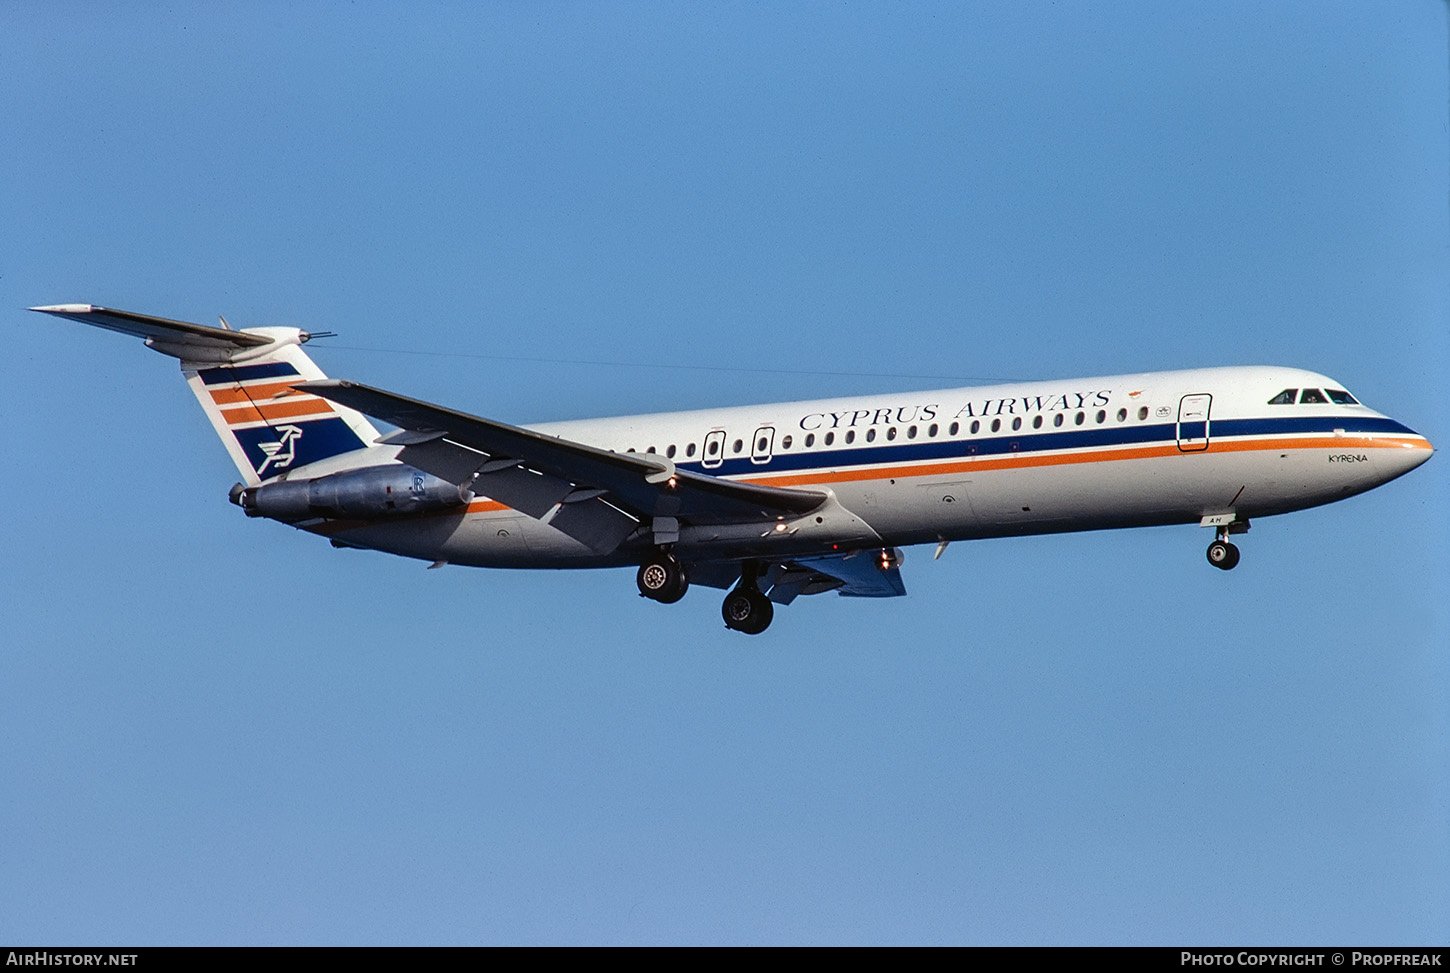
1221, 553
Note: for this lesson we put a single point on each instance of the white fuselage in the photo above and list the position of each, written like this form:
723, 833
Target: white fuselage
925, 467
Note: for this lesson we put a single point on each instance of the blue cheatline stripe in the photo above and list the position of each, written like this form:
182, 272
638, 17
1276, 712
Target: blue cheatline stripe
242, 373
1025, 441
1289, 426
318, 439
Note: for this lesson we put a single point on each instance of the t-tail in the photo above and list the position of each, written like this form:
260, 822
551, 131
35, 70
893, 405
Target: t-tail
244, 381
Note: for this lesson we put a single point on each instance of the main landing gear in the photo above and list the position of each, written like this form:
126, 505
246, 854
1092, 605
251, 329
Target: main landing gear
1222, 554
663, 578
745, 609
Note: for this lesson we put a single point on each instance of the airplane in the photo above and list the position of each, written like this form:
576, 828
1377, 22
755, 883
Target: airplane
770, 502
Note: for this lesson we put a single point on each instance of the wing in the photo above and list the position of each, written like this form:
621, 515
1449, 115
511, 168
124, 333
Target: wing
860, 574
596, 496
864, 572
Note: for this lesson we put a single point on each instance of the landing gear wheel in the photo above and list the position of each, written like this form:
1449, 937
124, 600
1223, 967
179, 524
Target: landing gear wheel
747, 610
1223, 555
663, 579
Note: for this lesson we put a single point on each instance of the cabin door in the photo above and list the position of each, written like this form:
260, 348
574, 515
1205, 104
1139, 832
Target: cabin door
1193, 422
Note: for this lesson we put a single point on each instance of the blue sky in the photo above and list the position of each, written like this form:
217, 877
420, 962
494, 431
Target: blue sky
223, 731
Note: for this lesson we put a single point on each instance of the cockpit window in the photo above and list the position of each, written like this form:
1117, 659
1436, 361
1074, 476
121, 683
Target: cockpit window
1311, 396
1285, 397
1341, 397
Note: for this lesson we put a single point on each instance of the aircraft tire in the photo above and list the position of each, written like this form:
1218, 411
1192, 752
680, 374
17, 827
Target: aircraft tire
1223, 555
663, 579
748, 611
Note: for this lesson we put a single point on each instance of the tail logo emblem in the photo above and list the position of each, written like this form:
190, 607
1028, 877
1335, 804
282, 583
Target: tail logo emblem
276, 457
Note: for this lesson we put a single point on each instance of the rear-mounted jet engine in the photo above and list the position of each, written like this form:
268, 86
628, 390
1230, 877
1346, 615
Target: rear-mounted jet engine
373, 493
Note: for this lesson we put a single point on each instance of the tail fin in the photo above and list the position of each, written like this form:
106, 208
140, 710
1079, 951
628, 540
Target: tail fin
243, 380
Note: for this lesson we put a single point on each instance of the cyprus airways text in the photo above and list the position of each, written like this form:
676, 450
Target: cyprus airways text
1017, 406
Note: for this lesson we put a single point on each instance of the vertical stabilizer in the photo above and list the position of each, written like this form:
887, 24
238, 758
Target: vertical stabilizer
243, 380
267, 426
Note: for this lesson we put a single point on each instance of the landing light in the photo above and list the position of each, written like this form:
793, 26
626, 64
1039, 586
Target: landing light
780, 528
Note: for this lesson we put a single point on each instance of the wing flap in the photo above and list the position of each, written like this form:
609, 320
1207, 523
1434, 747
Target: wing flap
595, 523
532, 492
448, 461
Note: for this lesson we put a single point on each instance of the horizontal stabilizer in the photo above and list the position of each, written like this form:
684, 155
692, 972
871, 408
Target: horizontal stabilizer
173, 337
244, 382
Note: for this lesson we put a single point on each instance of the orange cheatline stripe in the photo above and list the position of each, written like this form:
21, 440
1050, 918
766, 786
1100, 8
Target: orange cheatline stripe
328, 527
284, 409
252, 393
1030, 461
1060, 459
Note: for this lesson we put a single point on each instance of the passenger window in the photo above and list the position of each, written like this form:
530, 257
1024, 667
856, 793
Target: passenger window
1077, 420
891, 433
690, 450
784, 443
911, 432
976, 427
1101, 417
1341, 397
1312, 397
1285, 397
931, 430
870, 435
762, 445
1142, 413
996, 424
1036, 422
1057, 419
810, 439
830, 438
850, 435
711, 447
1122, 415
738, 445
670, 450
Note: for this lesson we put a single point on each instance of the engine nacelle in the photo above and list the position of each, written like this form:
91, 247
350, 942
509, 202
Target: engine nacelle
373, 493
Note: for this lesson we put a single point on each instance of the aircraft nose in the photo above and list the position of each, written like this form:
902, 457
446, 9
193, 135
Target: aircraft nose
1412, 451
